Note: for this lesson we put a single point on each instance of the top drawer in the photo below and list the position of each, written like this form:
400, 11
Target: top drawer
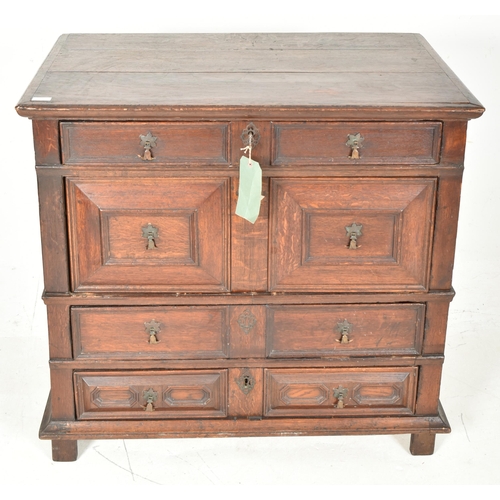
369, 143
145, 143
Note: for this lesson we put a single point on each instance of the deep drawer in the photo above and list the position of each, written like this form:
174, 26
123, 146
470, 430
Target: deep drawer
142, 395
151, 234
169, 143
351, 234
354, 330
151, 332
346, 391
375, 142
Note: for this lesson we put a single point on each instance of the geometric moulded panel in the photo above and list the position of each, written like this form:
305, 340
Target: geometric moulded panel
148, 234
312, 392
312, 222
112, 397
151, 395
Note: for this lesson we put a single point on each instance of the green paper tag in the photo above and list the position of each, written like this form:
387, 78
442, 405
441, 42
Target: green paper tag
250, 190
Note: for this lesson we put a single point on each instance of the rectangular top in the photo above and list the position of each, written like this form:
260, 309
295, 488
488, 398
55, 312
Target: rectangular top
229, 75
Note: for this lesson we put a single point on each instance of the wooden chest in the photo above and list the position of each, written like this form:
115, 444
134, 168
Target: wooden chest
169, 315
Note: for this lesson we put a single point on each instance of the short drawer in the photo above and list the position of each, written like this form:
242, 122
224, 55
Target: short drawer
356, 143
151, 395
154, 234
346, 391
145, 143
354, 330
150, 332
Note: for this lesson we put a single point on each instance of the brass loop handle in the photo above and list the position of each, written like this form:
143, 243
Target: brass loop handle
151, 234
354, 141
148, 142
153, 328
150, 396
354, 232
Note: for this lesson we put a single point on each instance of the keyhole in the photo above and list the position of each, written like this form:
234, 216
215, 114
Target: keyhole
245, 383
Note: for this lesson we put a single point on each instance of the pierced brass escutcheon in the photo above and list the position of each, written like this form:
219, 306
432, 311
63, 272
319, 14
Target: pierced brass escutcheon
354, 141
250, 135
153, 328
340, 394
247, 320
148, 142
345, 330
150, 396
151, 233
354, 232
245, 382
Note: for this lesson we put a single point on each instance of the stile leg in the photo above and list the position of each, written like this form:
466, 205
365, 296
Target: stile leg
422, 443
64, 450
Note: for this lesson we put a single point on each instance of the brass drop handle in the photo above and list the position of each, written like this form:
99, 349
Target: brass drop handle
354, 232
151, 234
153, 328
150, 396
354, 141
340, 394
148, 142
345, 331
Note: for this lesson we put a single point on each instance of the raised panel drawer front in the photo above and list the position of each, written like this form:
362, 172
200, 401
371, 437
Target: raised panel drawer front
200, 144
143, 395
149, 234
356, 142
189, 332
351, 234
354, 330
346, 391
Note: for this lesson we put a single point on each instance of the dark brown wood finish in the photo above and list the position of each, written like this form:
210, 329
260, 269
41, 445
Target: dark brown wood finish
248, 331
342, 391
354, 330
110, 252
249, 245
46, 141
422, 443
212, 325
150, 428
311, 245
245, 404
64, 450
142, 395
53, 230
179, 332
120, 143
383, 143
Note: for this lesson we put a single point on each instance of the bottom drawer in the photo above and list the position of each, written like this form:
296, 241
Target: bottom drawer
325, 392
140, 395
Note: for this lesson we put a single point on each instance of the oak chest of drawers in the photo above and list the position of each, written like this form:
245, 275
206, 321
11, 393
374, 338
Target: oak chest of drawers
169, 315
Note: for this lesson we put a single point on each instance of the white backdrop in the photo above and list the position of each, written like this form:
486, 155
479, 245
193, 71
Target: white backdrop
470, 44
